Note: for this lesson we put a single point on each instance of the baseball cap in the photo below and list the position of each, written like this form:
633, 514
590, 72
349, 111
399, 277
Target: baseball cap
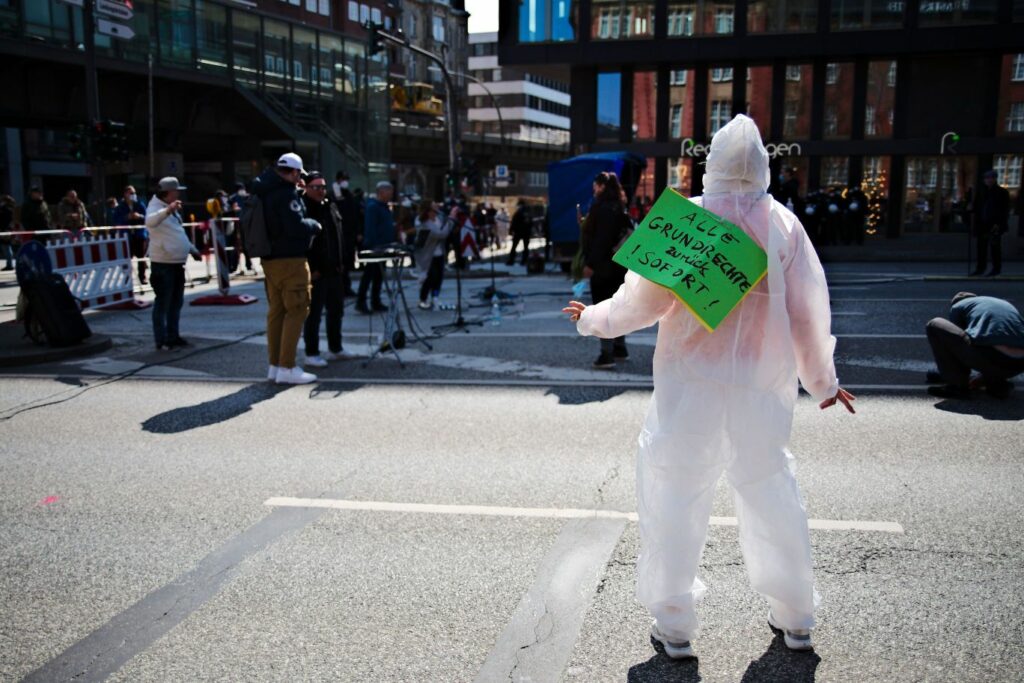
170, 183
384, 185
291, 160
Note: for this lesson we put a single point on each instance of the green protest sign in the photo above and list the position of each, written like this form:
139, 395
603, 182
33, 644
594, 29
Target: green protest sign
706, 261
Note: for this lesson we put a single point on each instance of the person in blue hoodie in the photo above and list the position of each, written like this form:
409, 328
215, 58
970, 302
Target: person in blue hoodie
378, 231
286, 269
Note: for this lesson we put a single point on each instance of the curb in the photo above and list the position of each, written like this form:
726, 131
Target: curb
30, 354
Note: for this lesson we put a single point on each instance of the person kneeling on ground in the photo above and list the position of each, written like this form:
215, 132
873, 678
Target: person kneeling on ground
983, 333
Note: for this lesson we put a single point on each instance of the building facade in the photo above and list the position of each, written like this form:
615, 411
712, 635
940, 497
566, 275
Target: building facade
234, 84
915, 97
533, 108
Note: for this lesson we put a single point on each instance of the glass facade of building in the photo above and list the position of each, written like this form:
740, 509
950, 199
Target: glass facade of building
318, 81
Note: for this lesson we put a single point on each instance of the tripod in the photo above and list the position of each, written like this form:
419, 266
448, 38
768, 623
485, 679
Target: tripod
460, 323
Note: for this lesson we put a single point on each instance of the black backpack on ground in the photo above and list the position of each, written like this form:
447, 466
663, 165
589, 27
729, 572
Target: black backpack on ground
53, 315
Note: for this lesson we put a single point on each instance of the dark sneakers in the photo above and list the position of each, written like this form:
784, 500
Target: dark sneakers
604, 362
620, 354
177, 343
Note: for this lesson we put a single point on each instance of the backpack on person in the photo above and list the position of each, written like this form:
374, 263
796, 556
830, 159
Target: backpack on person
253, 223
53, 315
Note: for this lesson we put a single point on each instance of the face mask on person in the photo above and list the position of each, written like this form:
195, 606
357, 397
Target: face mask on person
133, 197
344, 184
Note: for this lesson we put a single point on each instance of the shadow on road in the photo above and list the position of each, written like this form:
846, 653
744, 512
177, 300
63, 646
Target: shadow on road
326, 390
212, 412
662, 669
576, 396
781, 665
1011, 409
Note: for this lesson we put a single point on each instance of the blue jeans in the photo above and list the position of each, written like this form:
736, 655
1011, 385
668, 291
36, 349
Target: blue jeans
8, 251
168, 281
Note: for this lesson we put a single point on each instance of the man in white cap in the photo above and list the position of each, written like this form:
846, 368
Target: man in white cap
169, 247
287, 271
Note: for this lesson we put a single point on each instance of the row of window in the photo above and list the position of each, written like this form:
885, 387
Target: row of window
556, 20
837, 116
315, 6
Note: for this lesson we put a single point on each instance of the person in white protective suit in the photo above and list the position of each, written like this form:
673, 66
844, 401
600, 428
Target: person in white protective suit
723, 402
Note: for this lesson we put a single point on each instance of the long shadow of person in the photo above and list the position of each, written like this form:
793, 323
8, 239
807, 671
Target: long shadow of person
779, 664
212, 412
577, 396
1011, 409
663, 669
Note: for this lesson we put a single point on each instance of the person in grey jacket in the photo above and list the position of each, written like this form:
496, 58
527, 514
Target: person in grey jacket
983, 333
169, 248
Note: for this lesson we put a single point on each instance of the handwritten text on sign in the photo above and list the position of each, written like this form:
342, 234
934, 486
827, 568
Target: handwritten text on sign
706, 261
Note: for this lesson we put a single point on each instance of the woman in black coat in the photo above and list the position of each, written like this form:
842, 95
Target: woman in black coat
604, 228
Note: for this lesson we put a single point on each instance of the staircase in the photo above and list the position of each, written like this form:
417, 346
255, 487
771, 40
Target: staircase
300, 125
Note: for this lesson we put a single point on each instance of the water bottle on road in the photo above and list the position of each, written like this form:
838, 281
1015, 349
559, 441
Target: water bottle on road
495, 310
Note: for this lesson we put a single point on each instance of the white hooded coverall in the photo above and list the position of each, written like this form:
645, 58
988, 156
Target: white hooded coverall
723, 401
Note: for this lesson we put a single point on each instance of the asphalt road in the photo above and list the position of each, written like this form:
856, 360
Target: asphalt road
170, 517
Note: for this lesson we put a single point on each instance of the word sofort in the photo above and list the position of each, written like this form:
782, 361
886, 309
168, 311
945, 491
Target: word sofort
697, 253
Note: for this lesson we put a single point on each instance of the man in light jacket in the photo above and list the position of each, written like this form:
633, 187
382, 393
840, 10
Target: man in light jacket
169, 247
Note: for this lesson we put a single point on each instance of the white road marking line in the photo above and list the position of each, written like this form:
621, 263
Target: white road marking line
547, 513
881, 363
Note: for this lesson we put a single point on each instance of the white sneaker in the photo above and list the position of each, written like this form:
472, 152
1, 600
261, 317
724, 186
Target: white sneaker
316, 361
294, 375
425, 305
674, 649
799, 639
272, 372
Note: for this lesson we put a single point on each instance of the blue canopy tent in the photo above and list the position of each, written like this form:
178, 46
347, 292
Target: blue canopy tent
570, 182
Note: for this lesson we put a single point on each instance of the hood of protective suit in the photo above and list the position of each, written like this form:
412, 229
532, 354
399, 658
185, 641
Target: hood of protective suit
737, 161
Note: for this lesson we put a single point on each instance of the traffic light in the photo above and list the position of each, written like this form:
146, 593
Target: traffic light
377, 44
78, 142
111, 140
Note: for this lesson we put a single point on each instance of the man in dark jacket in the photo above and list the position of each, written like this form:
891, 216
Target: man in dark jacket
325, 269
132, 211
287, 272
351, 218
35, 214
522, 226
983, 333
991, 220
378, 231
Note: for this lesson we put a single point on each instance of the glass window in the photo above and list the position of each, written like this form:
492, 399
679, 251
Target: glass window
621, 19
719, 113
935, 193
759, 98
724, 17
721, 74
1008, 170
212, 36
375, 15
364, 14
835, 171
1017, 68
609, 97
324, 8
700, 18
303, 60
838, 95
1015, 118
782, 16
275, 55
680, 175
438, 28
796, 120
875, 186
862, 14
681, 19
956, 12
175, 23
245, 36
47, 19
680, 104
645, 104
546, 20
878, 108
353, 11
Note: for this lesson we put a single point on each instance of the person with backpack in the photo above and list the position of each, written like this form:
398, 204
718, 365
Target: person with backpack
278, 218
169, 248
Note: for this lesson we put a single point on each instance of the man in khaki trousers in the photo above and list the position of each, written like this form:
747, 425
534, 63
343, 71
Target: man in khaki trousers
287, 272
